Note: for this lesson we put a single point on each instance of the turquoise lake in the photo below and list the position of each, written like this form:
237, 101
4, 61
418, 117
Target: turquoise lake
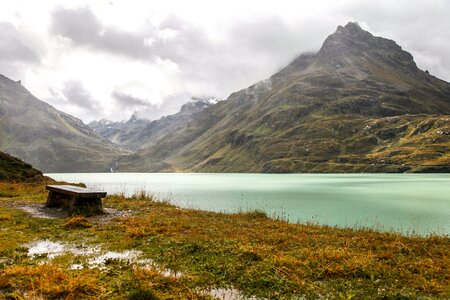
409, 203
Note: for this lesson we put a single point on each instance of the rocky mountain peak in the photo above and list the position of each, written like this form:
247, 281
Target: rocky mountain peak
134, 117
196, 104
352, 28
102, 122
350, 42
345, 41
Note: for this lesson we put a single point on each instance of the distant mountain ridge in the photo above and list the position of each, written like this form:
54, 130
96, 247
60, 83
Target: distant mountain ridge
359, 104
51, 140
138, 133
120, 133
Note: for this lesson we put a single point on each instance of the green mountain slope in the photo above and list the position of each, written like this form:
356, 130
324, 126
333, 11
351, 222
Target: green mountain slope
12, 168
49, 139
359, 104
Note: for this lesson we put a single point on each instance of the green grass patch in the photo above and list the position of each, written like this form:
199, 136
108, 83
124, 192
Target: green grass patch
183, 253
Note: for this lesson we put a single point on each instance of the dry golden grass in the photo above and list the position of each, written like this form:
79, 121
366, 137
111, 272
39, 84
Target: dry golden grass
22, 191
77, 222
300, 255
49, 282
248, 251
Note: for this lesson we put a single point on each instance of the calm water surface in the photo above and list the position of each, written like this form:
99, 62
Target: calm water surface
410, 203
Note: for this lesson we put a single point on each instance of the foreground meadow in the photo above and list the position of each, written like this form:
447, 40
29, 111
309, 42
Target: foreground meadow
144, 248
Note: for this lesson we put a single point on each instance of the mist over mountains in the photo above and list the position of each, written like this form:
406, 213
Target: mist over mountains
360, 104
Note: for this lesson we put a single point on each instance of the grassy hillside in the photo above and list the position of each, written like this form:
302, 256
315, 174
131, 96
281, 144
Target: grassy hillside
335, 144
360, 104
51, 140
13, 169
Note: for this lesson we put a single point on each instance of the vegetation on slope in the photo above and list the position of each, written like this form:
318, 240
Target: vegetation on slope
360, 104
183, 254
49, 139
13, 169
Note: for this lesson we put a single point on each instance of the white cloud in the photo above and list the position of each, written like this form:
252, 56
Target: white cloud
160, 53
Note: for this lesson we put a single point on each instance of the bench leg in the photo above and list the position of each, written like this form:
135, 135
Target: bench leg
72, 203
88, 206
53, 200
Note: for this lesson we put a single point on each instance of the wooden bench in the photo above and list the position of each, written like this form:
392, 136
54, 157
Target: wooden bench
73, 198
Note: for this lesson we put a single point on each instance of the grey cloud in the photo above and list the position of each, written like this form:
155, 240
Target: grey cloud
254, 48
251, 51
76, 94
129, 104
128, 101
15, 46
190, 45
172, 22
199, 58
80, 25
83, 28
267, 35
122, 42
171, 105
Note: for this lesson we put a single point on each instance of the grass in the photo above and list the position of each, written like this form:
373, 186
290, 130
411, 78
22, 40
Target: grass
77, 222
12, 168
194, 251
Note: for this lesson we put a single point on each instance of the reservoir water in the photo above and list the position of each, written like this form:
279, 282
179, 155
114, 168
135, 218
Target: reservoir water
409, 203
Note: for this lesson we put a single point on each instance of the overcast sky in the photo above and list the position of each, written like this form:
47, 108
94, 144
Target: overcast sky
106, 59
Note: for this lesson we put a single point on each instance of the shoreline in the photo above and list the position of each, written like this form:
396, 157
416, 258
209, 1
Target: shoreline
408, 204
170, 252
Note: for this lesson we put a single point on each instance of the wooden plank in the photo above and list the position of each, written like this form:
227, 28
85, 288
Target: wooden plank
76, 191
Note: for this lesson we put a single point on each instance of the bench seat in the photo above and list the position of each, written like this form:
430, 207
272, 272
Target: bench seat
74, 198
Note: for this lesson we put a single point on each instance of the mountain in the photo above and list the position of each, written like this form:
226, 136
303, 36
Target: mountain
49, 139
360, 104
121, 133
12, 168
137, 133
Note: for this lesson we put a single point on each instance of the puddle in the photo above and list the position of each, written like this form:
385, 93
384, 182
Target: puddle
109, 257
50, 249
151, 264
228, 294
96, 258
53, 249
170, 273
130, 257
76, 267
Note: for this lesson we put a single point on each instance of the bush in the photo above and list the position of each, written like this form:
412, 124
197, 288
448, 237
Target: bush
141, 294
77, 222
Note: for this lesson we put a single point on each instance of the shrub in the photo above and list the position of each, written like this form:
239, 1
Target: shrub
77, 222
141, 294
